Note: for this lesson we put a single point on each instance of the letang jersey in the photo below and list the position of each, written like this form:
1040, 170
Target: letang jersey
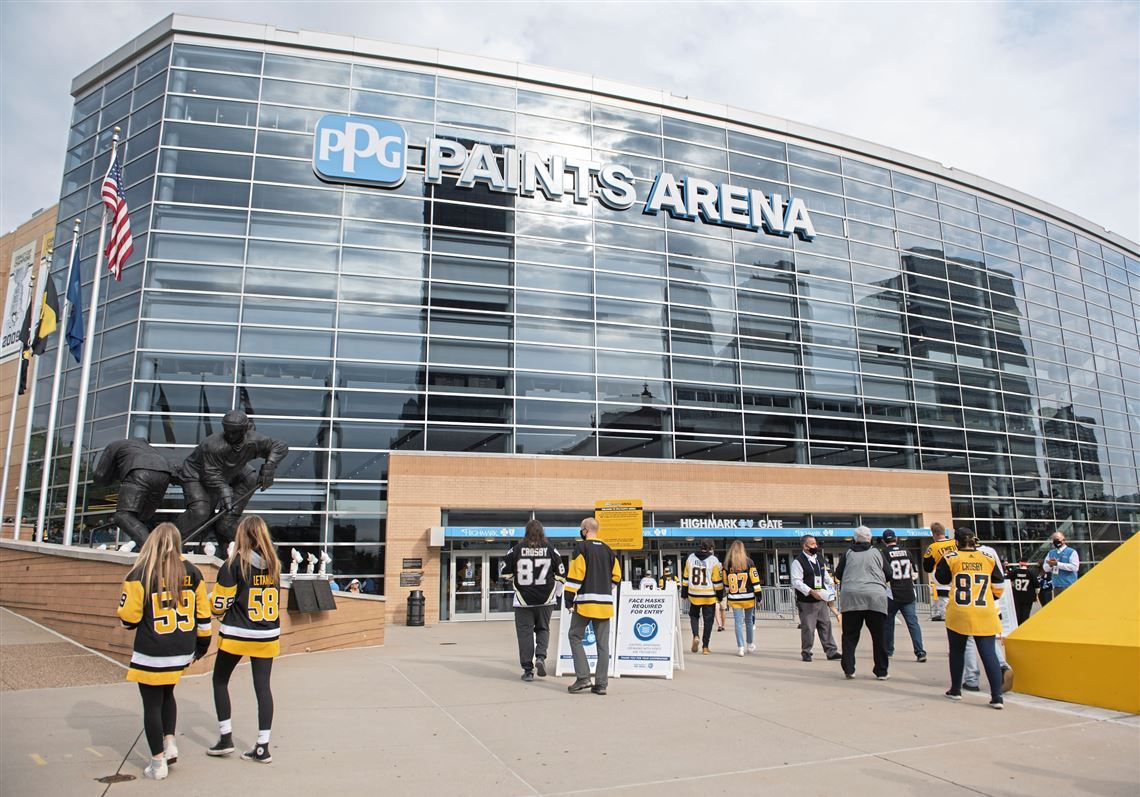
976, 582
534, 573
933, 556
166, 633
250, 610
742, 589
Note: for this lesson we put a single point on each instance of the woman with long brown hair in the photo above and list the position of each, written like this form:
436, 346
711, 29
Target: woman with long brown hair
164, 601
742, 588
246, 598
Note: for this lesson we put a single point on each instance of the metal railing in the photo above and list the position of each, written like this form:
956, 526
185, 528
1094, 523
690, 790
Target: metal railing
778, 602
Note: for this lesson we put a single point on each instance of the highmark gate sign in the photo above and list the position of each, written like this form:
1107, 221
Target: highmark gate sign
365, 150
756, 531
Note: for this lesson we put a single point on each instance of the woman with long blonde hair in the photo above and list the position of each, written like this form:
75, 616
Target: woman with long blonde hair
742, 588
246, 598
164, 601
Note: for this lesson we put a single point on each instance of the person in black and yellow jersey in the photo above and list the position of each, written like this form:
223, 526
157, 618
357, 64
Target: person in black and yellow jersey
930, 559
976, 582
588, 594
172, 628
703, 587
246, 597
742, 588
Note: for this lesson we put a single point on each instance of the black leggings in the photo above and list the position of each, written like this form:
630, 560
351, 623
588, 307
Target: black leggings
708, 612
224, 665
160, 714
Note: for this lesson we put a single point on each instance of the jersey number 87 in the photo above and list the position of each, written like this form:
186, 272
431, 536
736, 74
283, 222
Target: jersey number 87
969, 590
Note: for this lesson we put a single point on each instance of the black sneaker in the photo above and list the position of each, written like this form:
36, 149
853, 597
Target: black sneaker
999, 704
953, 695
921, 658
259, 753
805, 656
578, 686
598, 689
540, 667
1006, 678
969, 688
224, 746
528, 676
849, 675
834, 656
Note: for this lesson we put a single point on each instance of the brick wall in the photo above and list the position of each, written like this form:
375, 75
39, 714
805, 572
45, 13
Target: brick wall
420, 485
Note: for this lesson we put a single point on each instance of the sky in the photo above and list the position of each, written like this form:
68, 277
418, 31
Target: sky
1041, 97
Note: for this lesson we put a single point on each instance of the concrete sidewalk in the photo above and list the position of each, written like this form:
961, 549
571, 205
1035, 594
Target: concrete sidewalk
441, 710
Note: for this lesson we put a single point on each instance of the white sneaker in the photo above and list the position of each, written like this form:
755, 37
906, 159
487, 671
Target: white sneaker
740, 652
208, 549
170, 749
752, 647
127, 546
156, 769
102, 547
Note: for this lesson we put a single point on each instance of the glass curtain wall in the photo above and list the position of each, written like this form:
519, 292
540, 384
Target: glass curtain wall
925, 327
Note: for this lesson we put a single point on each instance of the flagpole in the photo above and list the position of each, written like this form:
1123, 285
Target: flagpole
41, 285
85, 373
35, 319
53, 409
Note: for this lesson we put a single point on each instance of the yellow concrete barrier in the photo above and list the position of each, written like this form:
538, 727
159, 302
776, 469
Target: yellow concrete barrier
1084, 646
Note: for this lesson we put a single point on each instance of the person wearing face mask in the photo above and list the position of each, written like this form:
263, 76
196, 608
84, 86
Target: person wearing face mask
217, 474
1061, 564
812, 581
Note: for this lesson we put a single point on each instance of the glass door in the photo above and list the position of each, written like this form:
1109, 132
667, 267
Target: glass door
500, 595
467, 586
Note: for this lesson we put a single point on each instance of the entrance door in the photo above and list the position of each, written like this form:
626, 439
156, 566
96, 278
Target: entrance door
478, 589
671, 563
638, 564
500, 594
467, 586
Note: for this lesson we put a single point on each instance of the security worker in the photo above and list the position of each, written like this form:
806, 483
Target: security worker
1062, 563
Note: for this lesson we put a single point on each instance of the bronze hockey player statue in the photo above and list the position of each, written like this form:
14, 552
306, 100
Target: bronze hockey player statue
217, 475
144, 474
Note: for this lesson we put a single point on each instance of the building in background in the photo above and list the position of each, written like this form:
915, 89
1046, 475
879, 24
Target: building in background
790, 328
19, 249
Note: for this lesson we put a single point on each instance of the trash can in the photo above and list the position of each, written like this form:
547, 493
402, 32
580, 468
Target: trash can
416, 607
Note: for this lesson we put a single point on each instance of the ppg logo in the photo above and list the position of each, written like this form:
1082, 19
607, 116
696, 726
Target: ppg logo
360, 149
645, 629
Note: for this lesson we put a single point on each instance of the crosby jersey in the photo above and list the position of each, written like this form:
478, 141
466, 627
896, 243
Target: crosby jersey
934, 553
900, 574
976, 582
534, 574
742, 589
250, 610
167, 631
1023, 583
704, 579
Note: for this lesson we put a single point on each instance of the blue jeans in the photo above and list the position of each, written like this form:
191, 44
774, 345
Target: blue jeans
743, 621
910, 615
989, 658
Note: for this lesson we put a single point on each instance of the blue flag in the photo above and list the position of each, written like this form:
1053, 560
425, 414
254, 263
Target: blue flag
75, 326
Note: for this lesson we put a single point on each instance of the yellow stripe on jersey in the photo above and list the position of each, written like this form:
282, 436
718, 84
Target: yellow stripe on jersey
155, 678
257, 650
202, 609
130, 609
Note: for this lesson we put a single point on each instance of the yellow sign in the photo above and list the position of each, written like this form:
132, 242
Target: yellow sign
620, 523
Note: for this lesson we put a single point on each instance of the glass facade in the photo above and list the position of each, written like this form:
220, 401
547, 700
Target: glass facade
927, 325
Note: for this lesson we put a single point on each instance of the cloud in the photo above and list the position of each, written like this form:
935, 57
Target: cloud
1042, 98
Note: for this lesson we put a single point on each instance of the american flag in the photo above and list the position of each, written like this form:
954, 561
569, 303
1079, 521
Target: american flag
120, 246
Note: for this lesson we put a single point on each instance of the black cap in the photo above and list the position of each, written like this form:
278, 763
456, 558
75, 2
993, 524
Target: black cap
889, 535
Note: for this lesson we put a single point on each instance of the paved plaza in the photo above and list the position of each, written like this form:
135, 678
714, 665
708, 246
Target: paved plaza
441, 710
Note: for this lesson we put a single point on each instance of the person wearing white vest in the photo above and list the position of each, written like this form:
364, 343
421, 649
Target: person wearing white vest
1062, 564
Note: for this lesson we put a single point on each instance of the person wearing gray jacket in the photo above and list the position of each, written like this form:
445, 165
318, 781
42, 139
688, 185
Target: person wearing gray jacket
863, 600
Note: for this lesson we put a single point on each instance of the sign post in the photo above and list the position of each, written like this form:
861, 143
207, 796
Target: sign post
565, 664
619, 523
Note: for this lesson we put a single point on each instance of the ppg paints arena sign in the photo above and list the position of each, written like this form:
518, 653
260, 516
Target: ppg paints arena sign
369, 151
